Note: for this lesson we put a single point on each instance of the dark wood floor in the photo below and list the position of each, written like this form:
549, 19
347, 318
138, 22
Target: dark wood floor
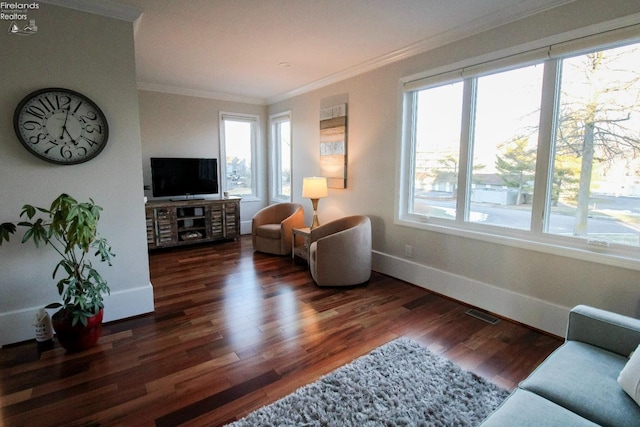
233, 331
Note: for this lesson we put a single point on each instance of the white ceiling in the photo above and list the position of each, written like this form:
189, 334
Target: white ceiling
234, 48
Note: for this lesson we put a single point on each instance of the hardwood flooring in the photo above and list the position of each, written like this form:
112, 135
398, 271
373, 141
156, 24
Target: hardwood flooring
234, 330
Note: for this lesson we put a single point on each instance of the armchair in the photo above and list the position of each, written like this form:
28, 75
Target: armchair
271, 227
340, 252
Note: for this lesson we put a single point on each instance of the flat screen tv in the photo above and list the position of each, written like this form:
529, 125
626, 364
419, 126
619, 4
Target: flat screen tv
183, 176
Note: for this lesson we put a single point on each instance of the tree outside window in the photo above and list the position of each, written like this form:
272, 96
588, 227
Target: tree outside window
484, 132
597, 147
505, 141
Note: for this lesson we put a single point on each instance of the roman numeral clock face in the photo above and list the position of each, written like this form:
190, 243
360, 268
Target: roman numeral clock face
61, 126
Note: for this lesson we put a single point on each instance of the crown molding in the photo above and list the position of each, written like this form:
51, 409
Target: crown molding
106, 8
477, 26
175, 90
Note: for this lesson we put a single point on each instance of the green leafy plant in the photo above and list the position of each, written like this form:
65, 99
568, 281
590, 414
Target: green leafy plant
70, 228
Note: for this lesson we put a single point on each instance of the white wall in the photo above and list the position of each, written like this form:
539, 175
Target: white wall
532, 287
95, 56
187, 126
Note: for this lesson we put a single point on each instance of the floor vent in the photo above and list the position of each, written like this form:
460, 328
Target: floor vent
482, 316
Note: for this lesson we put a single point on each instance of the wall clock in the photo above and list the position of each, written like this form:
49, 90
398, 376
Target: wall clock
61, 126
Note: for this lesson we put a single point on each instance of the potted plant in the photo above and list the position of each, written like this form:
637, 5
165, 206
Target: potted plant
70, 228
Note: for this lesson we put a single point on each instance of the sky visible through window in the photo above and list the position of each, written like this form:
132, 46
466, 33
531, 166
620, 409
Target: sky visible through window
238, 138
503, 144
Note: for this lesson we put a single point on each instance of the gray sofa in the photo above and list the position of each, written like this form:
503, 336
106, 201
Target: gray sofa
577, 384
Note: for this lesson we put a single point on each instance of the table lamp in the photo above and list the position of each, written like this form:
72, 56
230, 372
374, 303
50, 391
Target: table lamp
314, 188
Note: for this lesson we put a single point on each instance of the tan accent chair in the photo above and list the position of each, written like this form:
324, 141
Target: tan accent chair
340, 252
271, 227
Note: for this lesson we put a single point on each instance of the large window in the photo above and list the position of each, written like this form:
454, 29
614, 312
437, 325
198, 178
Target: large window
437, 149
281, 157
547, 152
505, 139
238, 136
596, 174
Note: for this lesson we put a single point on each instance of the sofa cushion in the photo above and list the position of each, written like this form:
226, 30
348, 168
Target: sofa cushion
524, 408
629, 378
583, 379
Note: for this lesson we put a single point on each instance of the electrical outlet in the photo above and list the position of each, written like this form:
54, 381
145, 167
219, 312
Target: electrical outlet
408, 251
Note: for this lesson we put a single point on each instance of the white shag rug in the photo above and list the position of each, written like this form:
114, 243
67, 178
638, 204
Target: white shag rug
398, 384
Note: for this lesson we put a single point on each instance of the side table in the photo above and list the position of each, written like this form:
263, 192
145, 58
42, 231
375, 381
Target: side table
300, 250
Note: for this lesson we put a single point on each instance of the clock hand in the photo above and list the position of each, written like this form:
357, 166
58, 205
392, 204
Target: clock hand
64, 125
64, 129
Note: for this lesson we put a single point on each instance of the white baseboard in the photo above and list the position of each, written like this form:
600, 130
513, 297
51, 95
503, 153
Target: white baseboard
537, 313
17, 325
129, 303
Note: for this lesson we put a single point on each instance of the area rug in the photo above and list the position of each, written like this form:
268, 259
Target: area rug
398, 384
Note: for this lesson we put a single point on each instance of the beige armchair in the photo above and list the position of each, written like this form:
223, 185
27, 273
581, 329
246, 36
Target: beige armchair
271, 227
340, 252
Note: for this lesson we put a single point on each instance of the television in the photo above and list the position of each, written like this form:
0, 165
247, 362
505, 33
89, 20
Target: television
183, 176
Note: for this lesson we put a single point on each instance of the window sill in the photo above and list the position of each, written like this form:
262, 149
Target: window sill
245, 198
549, 244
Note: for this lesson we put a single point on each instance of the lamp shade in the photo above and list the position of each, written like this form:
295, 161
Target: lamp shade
314, 187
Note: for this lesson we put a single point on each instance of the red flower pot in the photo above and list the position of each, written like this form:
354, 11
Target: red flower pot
78, 337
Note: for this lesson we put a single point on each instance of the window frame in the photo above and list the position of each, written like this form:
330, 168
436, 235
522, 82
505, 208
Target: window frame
536, 238
275, 150
254, 121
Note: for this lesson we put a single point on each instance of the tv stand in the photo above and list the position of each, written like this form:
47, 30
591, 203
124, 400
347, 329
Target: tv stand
187, 200
185, 222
